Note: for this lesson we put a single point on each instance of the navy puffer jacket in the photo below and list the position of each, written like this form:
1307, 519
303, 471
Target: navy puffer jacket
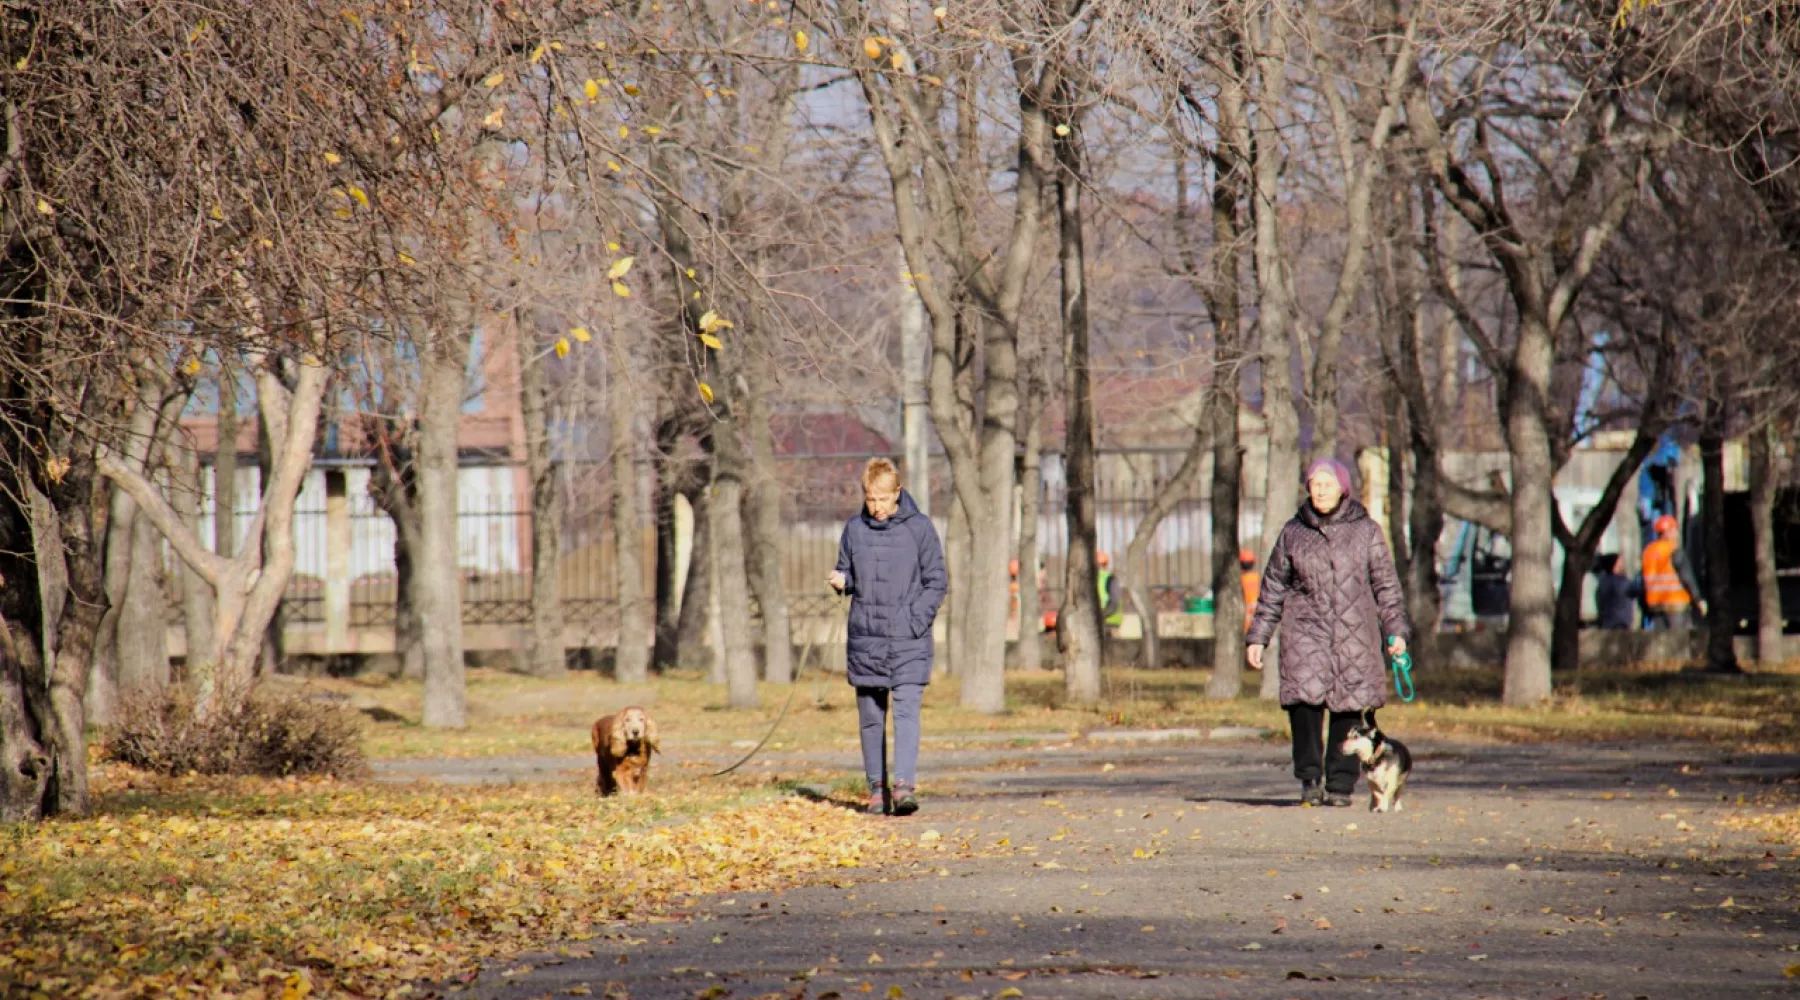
894, 573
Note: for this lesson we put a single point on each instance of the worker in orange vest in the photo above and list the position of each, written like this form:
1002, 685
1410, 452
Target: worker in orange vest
1252, 581
1669, 586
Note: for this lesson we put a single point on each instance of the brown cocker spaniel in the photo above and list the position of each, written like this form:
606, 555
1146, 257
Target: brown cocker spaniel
622, 747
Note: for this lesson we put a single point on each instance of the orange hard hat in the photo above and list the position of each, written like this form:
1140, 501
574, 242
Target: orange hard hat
1103, 559
1246, 556
1664, 523
1012, 568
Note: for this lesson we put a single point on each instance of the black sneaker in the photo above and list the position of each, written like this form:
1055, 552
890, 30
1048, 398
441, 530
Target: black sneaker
906, 800
1312, 793
1337, 800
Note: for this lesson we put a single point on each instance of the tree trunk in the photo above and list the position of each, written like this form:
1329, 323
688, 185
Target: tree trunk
409, 634
225, 465
43, 759
437, 585
696, 593
544, 654
1031, 490
957, 552
734, 612
1763, 486
1080, 631
1580, 545
143, 636
668, 472
268, 653
1228, 592
1721, 617
1223, 291
631, 657
730, 469
762, 536
197, 603
1533, 592
248, 587
147, 428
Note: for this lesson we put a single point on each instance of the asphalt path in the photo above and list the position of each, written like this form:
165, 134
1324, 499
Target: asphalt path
1059, 869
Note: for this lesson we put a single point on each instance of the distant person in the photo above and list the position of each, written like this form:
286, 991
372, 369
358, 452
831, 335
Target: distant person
1669, 585
1252, 581
1112, 612
1615, 595
892, 566
1332, 575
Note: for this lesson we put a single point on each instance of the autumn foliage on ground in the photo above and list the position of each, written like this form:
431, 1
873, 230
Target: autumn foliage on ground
282, 888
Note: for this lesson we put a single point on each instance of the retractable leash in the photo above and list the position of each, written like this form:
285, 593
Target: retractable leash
1402, 667
837, 607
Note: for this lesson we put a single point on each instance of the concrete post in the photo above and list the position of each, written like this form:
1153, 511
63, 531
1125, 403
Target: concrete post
337, 562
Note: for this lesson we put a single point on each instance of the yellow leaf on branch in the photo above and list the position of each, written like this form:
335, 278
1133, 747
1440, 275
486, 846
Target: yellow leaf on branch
871, 48
620, 268
333, 159
591, 89
711, 341
581, 334
620, 289
562, 347
44, 208
361, 196
800, 40
494, 119
706, 392
494, 80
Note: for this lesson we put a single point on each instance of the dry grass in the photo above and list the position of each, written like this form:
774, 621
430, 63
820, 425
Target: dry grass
510, 714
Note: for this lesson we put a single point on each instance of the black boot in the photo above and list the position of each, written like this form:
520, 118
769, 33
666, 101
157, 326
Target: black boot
1312, 793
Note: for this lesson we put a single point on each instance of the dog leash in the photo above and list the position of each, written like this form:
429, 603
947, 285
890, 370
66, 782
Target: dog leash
1402, 667
837, 606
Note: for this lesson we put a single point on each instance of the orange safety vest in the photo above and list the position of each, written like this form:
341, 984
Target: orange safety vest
1252, 581
1662, 585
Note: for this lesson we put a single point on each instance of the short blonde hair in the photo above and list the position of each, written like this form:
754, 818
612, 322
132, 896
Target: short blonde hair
880, 470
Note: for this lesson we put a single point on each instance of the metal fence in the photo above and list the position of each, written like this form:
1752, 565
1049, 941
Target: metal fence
494, 541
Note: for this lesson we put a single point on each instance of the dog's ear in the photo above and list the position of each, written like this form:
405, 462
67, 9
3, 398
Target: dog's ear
615, 736
650, 738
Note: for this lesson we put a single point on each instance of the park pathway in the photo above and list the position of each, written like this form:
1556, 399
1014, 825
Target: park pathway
1544, 871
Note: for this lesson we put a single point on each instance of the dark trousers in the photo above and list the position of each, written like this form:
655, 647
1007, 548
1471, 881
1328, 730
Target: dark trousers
1315, 743
873, 706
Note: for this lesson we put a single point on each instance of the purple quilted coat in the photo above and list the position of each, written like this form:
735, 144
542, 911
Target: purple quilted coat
1331, 585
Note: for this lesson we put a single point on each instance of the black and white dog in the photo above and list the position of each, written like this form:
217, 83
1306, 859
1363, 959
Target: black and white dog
1385, 764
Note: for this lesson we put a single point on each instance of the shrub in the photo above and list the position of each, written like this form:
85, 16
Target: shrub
274, 733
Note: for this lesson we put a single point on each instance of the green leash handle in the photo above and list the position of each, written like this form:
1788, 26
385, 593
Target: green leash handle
1402, 666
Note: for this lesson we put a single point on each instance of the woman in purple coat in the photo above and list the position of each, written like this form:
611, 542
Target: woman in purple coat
1330, 583
891, 565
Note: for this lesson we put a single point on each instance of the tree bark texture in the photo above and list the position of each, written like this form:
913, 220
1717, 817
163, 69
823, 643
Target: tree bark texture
197, 602
1031, 487
544, 654
437, 583
1721, 617
762, 532
1080, 632
1763, 487
693, 643
631, 655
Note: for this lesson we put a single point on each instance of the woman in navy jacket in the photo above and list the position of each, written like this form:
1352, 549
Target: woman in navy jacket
891, 565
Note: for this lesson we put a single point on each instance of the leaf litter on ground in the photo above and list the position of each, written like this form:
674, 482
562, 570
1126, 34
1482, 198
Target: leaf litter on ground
283, 888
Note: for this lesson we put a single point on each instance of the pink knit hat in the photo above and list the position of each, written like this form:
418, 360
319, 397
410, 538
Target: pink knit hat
1337, 468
